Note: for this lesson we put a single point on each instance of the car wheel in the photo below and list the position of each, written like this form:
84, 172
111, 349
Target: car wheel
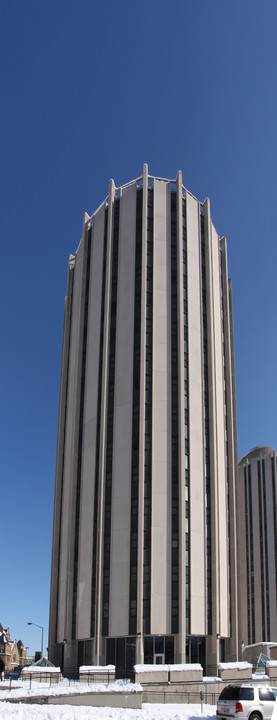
255, 716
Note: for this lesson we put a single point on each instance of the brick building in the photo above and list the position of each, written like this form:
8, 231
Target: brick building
12, 653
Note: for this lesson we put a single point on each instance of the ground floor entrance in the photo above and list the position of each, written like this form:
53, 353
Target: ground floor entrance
121, 652
158, 650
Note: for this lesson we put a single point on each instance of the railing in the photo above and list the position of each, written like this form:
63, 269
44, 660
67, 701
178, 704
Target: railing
106, 677
99, 676
47, 678
184, 696
160, 695
42, 677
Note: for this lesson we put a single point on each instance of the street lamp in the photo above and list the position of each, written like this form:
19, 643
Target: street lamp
39, 626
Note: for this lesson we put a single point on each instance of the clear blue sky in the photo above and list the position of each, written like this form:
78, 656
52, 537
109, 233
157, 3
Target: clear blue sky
89, 91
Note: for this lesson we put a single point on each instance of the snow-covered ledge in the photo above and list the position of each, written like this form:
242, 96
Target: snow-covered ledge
49, 675
97, 673
151, 673
186, 672
42, 671
271, 669
235, 671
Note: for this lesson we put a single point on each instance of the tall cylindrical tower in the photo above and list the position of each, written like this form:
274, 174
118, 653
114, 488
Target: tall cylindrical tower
257, 543
144, 543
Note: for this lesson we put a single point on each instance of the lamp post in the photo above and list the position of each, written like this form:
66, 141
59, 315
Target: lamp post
64, 642
39, 626
218, 637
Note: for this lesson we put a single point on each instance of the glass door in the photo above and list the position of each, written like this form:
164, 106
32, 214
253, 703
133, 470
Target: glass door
158, 658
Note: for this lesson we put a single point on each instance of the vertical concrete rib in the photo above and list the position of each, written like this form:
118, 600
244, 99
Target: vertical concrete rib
221, 437
56, 550
235, 627
181, 641
76, 460
219, 499
139, 641
212, 645
90, 428
196, 445
231, 448
98, 615
123, 400
161, 402
71, 448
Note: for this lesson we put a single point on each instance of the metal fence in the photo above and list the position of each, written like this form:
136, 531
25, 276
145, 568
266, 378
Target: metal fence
69, 679
179, 696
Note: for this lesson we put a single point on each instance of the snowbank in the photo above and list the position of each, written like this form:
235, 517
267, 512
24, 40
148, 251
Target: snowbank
66, 712
23, 690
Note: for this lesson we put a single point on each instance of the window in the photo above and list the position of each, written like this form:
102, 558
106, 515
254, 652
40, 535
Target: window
266, 694
246, 693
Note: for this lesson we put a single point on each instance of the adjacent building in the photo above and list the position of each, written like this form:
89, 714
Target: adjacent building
12, 653
144, 537
257, 544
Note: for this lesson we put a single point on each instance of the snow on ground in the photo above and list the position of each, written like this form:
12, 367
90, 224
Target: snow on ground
21, 689
10, 711
22, 711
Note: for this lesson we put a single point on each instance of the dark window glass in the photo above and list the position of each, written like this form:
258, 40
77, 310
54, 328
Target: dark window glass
148, 650
229, 693
246, 693
266, 694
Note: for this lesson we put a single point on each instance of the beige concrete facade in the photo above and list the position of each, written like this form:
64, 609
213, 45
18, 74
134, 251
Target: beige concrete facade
144, 548
257, 546
160, 530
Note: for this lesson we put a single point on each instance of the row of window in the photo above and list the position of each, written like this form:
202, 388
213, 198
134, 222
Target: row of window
135, 424
186, 406
148, 419
174, 428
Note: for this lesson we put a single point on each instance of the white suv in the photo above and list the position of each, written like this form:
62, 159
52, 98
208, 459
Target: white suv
245, 702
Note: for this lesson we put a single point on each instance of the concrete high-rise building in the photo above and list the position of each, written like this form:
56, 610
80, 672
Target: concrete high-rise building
144, 539
257, 546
